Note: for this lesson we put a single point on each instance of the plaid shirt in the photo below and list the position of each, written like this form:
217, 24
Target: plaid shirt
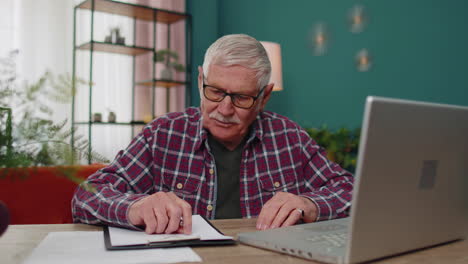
172, 154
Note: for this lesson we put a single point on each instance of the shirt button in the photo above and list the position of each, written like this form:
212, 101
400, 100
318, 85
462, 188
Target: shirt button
209, 207
211, 171
179, 186
277, 184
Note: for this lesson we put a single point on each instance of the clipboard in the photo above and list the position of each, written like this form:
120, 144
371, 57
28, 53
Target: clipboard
168, 244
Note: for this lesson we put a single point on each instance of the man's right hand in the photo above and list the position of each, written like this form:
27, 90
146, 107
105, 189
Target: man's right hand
162, 212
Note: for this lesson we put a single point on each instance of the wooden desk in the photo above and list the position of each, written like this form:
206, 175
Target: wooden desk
19, 240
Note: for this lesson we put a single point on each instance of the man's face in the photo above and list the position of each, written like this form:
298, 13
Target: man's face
227, 123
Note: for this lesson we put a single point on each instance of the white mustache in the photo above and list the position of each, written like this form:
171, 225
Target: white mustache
216, 115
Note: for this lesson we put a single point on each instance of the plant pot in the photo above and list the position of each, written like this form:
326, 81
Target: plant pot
111, 118
166, 74
97, 117
22, 189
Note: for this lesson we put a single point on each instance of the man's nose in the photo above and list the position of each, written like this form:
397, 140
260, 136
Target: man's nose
226, 107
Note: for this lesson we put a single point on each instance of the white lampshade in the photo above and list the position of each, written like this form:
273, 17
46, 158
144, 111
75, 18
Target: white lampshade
274, 54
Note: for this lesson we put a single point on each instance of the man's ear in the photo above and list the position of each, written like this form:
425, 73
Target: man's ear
266, 95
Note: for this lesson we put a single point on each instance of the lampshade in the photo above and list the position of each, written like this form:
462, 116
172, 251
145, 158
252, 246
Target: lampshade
274, 54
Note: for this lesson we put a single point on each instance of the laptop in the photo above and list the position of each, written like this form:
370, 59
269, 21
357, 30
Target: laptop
409, 193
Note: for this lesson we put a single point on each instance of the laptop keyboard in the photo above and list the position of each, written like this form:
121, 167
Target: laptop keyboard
329, 240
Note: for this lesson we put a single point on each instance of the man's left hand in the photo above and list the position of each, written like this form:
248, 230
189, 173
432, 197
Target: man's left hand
282, 210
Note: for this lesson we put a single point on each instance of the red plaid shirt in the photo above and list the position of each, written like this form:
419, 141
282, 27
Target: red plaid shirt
172, 154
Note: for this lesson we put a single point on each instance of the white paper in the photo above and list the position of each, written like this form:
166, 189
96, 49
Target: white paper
88, 247
125, 237
200, 229
203, 229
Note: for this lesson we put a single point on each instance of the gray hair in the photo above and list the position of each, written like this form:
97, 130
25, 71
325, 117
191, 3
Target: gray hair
239, 49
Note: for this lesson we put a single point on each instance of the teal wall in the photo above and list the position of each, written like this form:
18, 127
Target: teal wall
419, 50
204, 32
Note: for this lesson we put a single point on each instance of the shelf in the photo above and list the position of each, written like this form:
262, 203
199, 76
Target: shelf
139, 14
133, 11
161, 83
133, 123
114, 48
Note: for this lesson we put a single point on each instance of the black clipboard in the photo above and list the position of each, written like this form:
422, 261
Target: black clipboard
181, 243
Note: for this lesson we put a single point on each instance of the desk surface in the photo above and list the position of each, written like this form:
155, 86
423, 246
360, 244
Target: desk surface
19, 240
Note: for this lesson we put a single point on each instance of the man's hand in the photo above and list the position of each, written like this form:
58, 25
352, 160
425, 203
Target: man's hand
162, 212
281, 210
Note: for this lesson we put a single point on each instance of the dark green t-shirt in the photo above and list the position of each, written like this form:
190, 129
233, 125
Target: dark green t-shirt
228, 175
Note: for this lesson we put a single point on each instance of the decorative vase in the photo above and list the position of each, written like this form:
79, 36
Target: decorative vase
121, 40
4, 218
115, 35
97, 117
111, 118
166, 73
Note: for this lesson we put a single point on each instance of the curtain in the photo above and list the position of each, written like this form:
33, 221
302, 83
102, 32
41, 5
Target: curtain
40, 31
6, 26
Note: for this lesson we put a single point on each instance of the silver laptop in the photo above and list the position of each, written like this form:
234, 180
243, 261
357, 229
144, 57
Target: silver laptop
410, 188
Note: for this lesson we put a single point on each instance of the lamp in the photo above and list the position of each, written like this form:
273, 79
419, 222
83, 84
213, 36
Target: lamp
274, 54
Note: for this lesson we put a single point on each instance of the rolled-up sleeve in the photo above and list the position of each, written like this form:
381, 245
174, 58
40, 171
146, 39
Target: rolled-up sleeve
106, 196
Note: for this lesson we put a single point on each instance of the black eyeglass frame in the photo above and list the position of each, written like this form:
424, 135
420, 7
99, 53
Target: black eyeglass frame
233, 96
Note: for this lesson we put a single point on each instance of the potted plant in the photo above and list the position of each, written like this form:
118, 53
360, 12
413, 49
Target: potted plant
35, 152
30, 137
341, 145
170, 60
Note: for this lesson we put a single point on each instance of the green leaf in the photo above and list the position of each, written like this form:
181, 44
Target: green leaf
33, 139
341, 144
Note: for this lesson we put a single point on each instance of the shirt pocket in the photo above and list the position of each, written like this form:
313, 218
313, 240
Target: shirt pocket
279, 182
182, 186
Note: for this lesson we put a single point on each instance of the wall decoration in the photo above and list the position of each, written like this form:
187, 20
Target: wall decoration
319, 39
357, 19
363, 61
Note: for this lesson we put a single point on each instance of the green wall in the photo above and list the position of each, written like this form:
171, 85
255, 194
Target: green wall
204, 32
419, 51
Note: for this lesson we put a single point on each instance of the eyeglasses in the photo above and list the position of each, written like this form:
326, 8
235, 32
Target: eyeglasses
244, 101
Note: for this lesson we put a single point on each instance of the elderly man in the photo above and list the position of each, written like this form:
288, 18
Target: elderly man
227, 159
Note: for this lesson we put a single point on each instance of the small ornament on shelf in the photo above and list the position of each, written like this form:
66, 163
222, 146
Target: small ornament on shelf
121, 40
115, 37
111, 118
170, 59
97, 117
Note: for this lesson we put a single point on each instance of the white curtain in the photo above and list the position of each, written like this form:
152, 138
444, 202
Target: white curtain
42, 31
7, 26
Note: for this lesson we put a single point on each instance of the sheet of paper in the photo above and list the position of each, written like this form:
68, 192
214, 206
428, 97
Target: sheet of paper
125, 237
200, 229
88, 247
203, 229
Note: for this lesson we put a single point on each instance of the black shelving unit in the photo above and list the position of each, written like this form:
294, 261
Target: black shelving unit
136, 12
